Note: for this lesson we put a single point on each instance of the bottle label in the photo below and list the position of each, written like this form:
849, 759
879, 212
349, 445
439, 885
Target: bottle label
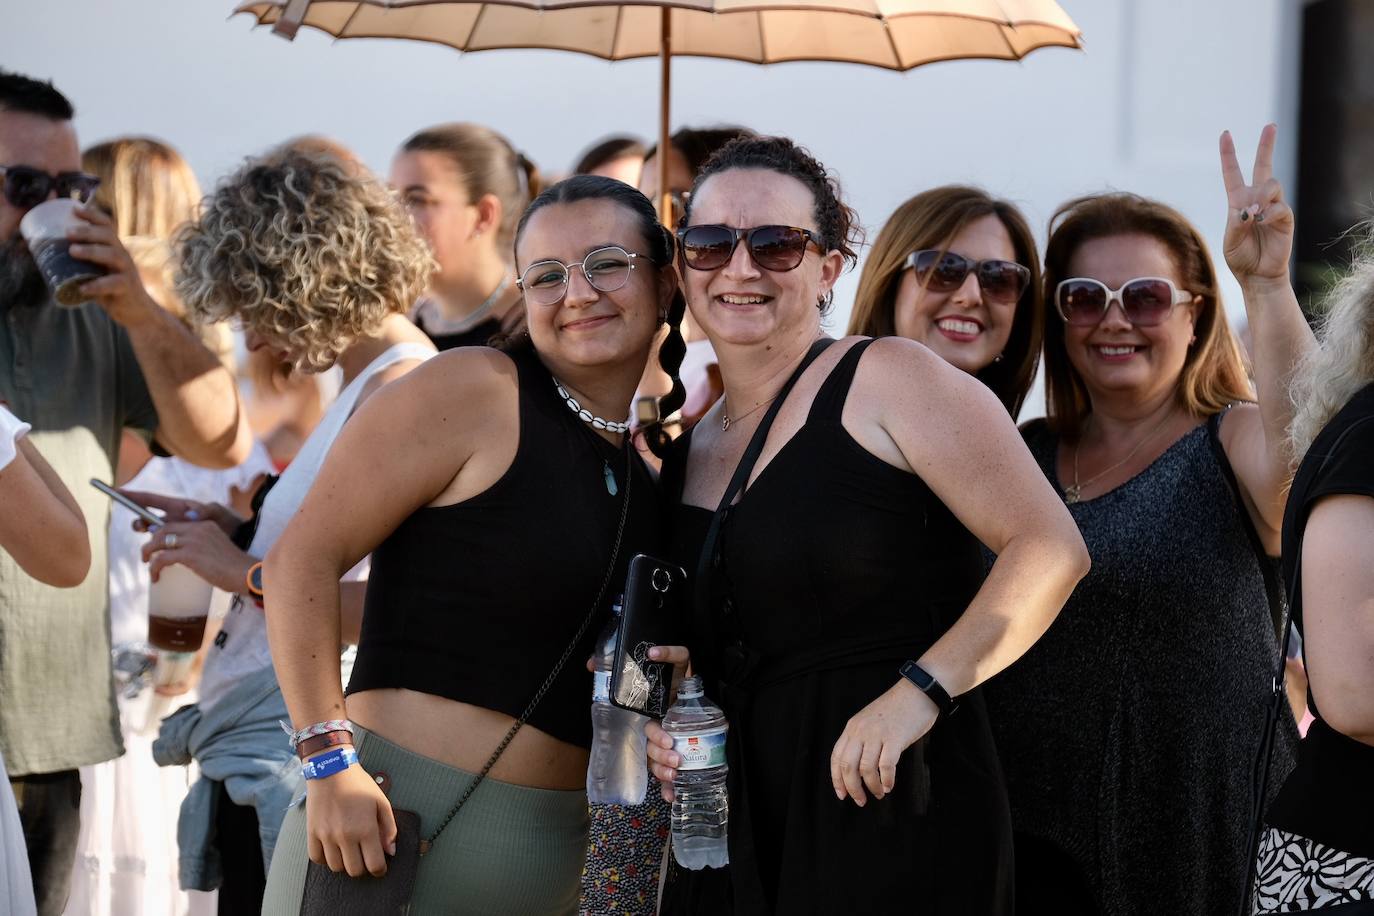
701, 751
601, 687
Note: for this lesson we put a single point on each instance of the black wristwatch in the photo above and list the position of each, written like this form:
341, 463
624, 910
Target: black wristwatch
930, 687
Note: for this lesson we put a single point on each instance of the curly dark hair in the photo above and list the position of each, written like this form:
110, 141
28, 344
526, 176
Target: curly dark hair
836, 222
661, 247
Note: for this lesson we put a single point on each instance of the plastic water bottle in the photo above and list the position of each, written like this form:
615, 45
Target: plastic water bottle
701, 807
618, 772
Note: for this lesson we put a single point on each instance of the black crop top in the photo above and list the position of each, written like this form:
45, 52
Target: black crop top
476, 601
1329, 796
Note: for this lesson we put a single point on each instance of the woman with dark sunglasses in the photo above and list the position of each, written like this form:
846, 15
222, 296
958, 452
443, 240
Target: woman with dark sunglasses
493, 532
957, 270
1128, 733
839, 608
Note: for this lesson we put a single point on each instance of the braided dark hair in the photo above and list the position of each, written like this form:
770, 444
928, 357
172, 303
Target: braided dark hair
661, 248
836, 221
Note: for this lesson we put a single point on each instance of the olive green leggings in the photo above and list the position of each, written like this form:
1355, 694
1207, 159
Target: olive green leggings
512, 849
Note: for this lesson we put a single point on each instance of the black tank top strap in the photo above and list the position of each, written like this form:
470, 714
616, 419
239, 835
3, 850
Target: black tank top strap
829, 403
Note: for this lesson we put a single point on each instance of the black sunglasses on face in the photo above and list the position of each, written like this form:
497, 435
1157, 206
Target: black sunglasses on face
1000, 281
26, 187
775, 248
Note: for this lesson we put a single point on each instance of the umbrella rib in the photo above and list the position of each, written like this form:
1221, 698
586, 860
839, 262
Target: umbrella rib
472, 29
892, 42
763, 37
615, 33
357, 7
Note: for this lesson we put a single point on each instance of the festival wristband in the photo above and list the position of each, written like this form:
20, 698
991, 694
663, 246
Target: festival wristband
336, 761
932, 688
319, 728
316, 743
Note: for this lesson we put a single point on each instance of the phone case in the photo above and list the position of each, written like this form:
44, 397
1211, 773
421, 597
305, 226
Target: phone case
655, 599
328, 893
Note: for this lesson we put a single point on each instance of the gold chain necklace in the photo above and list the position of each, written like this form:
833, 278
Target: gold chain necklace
726, 420
1074, 493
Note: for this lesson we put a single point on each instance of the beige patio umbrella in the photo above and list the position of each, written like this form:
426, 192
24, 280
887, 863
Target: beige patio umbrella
894, 34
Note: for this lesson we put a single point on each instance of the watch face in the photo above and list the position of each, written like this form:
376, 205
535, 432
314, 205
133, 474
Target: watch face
255, 579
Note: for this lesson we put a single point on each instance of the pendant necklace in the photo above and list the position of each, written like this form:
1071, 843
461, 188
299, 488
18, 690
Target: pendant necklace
1074, 494
726, 419
586, 416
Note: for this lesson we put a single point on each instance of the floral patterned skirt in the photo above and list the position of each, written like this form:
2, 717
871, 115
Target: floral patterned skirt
624, 856
1296, 875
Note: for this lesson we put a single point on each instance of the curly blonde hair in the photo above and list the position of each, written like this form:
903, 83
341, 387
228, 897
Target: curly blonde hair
303, 252
1330, 374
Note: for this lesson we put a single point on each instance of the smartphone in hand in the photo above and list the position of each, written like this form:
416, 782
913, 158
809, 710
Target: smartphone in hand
143, 512
655, 599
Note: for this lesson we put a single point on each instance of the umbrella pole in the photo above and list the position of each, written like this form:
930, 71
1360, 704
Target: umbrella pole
665, 52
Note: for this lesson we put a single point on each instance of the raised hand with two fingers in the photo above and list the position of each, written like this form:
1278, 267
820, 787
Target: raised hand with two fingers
1259, 223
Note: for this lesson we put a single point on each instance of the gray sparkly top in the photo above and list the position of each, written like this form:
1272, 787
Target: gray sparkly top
1128, 732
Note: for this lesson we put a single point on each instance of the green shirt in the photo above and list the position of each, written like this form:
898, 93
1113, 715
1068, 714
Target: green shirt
71, 373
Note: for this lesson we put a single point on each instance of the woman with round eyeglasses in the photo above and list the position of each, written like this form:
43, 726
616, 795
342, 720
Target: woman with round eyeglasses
498, 534
838, 616
957, 270
1129, 732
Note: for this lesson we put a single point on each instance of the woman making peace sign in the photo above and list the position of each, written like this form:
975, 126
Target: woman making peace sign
1128, 732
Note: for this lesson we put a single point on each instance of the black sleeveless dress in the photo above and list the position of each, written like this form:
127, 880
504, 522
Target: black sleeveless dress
1129, 731
838, 567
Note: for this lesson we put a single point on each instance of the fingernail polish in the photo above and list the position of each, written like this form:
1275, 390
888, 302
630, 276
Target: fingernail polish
1244, 215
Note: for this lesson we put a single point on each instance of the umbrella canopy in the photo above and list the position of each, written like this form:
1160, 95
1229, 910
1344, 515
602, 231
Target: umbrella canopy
895, 34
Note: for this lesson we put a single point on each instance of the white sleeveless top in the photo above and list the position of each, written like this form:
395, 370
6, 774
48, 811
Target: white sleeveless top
241, 647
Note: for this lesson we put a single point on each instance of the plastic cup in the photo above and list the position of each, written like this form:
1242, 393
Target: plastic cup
178, 604
45, 232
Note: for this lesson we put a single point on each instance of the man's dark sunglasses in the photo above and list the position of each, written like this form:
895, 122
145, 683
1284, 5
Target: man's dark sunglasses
944, 272
26, 187
776, 248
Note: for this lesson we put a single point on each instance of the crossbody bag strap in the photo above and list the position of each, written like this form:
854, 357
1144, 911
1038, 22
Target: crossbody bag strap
745, 467
428, 841
1264, 759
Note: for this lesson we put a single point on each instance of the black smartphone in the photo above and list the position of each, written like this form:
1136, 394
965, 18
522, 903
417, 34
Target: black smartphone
655, 599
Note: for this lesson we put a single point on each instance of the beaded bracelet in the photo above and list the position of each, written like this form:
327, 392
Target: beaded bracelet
319, 728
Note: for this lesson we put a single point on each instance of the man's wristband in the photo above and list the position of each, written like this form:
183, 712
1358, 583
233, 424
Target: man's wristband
336, 761
929, 686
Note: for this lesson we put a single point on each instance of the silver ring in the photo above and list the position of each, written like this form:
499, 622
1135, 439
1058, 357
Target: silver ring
170, 541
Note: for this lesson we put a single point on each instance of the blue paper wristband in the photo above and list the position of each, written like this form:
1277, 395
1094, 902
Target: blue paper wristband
336, 761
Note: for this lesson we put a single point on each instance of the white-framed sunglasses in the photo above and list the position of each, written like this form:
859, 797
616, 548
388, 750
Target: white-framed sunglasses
1146, 301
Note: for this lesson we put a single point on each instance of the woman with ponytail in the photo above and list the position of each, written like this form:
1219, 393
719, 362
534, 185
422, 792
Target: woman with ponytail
501, 504
466, 186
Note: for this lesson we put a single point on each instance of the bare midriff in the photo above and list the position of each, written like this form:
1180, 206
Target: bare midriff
462, 735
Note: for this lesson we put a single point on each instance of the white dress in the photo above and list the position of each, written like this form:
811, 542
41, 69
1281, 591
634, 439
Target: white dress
16, 885
126, 855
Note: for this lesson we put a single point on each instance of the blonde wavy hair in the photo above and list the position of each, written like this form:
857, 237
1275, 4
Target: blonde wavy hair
150, 191
1343, 362
304, 252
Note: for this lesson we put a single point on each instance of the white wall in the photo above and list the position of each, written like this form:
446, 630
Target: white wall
1139, 110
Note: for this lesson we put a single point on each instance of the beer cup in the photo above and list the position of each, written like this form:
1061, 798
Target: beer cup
178, 605
45, 231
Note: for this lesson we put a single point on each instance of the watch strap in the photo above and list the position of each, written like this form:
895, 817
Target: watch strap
926, 683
